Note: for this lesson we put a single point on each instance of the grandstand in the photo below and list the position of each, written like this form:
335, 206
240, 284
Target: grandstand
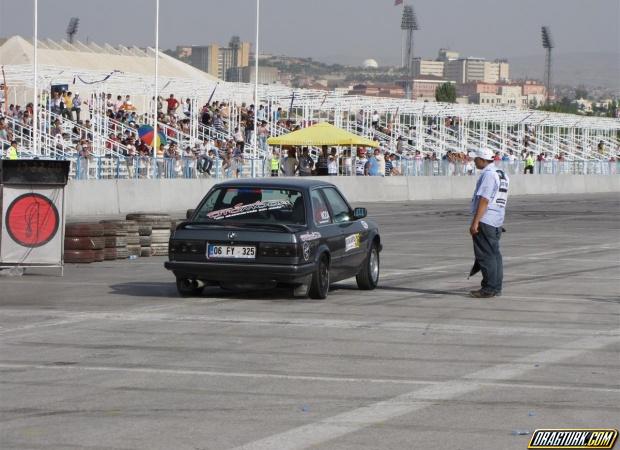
432, 128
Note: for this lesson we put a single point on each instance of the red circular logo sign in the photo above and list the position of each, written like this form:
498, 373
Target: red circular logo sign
32, 220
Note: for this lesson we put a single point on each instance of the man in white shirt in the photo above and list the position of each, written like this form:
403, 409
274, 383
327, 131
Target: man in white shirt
261, 115
332, 164
375, 119
360, 162
239, 138
488, 208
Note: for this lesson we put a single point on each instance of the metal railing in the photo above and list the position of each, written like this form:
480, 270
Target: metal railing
144, 167
409, 167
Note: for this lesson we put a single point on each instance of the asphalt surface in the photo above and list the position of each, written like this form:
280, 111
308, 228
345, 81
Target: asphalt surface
110, 357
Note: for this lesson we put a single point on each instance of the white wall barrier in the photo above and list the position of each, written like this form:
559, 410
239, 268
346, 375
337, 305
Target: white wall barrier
120, 197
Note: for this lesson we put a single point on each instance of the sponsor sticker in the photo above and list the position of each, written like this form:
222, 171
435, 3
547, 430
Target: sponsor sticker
364, 224
352, 242
574, 438
324, 217
306, 251
310, 236
241, 210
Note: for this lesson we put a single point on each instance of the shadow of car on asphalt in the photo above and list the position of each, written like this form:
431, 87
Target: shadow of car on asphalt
168, 289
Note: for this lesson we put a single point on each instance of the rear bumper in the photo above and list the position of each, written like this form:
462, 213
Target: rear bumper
246, 273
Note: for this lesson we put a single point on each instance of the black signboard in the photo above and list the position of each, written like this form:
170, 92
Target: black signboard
34, 172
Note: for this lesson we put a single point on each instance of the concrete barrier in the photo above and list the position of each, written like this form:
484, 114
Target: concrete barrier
119, 197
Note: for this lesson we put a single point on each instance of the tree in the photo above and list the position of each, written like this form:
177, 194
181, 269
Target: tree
612, 110
446, 93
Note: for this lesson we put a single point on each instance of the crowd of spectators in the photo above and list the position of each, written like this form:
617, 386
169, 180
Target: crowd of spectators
226, 146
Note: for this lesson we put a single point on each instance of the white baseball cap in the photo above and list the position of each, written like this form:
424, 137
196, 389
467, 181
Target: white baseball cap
483, 153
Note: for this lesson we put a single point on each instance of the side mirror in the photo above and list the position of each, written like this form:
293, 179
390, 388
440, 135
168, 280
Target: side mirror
359, 213
189, 213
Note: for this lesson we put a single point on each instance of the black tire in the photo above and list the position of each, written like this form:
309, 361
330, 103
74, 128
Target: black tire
134, 250
133, 239
83, 229
110, 254
145, 230
319, 286
368, 278
145, 241
159, 249
113, 230
79, 256
163, 225
84, 243
188, 288
115, 241
121, 223
132, 227
99, 255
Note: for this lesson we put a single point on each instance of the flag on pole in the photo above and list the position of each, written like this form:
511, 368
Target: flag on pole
398, 2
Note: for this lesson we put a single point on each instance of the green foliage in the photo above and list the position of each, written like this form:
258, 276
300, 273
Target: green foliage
446, 93
565, 105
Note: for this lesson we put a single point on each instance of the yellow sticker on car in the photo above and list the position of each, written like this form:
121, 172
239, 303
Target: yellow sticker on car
352, 242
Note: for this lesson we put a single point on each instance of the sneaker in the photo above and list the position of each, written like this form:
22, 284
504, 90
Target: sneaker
482, 294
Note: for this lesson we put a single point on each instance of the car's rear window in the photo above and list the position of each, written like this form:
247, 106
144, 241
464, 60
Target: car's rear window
255, 205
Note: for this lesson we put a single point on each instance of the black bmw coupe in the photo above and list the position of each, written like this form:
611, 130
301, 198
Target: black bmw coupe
299, 232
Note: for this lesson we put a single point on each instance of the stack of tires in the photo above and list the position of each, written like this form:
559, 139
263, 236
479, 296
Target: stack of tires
145, 232
84, 243
154, 243
115, 233
133, 238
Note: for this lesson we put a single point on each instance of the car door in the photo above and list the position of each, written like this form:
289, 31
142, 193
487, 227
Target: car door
354, 236
330, 232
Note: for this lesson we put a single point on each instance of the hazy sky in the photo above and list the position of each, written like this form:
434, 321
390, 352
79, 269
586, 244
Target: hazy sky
345, 31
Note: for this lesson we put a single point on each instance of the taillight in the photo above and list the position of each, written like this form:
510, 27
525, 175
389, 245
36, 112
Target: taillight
279, 250
187, 247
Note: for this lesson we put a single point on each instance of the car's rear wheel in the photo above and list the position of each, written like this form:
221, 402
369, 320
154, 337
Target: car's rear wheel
319, 286
188, 287
368, 278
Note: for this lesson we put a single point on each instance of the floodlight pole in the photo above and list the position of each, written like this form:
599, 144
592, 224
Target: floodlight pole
156, 102
255, 148
548, 72
35, 103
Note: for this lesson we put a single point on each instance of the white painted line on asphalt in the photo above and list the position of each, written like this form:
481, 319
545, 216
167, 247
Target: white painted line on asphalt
74, 317
579, 299
386, 274
348, 422
574, 250
426, 327
42, 324
486, 382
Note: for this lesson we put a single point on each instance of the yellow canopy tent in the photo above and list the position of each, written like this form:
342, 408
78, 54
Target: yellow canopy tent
322, 134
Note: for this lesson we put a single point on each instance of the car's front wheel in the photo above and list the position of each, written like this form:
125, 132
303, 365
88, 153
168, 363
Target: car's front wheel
319, 286
368, 278
188, 287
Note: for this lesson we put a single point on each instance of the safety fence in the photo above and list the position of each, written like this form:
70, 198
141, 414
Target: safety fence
190, 168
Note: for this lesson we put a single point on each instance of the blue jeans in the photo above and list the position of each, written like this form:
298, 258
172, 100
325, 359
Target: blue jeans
488, 256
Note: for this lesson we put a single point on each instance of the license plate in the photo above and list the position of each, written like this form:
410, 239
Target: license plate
230, 251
